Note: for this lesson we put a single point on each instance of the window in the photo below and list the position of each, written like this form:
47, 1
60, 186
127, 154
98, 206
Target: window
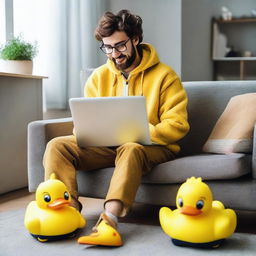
2, 22
6, 20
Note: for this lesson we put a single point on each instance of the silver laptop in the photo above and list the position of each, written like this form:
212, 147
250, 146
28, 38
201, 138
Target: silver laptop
110, 121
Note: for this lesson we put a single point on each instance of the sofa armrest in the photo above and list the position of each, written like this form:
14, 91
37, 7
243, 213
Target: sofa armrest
39, 133
254, 154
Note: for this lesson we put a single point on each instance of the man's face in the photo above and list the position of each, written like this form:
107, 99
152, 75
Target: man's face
126, 57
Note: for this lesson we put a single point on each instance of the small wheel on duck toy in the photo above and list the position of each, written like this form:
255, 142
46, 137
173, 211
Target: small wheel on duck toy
42, 240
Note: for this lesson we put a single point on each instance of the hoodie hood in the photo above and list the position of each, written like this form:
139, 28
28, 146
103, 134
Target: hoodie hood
149, 59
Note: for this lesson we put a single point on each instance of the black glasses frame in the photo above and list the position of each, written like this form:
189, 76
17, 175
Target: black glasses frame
103, 48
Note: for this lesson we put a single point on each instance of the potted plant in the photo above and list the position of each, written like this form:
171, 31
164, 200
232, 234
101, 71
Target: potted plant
17, 56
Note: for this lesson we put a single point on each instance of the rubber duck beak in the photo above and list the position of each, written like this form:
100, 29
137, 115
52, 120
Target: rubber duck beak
189, 210
58, 203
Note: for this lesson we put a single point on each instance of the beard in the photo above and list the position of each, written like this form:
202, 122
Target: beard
129, 60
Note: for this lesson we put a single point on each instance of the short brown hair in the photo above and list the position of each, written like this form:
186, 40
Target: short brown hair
123, 21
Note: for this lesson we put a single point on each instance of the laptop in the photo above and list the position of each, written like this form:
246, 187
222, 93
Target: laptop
110, 121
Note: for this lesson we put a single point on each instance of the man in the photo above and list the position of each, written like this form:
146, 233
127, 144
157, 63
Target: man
132, 68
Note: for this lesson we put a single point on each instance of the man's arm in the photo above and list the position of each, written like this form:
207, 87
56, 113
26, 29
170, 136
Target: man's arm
172, 114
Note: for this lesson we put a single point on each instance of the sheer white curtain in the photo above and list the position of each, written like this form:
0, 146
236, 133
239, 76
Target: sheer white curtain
64, 31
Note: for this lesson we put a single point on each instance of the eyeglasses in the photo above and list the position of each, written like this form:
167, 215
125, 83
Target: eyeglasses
120, 47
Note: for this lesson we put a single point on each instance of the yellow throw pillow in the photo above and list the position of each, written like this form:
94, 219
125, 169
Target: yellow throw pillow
233, 131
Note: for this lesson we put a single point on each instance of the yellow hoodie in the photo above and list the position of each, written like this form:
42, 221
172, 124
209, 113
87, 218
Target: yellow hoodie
166, 98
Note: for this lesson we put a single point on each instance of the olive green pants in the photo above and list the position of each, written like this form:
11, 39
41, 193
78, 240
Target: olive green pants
63, 157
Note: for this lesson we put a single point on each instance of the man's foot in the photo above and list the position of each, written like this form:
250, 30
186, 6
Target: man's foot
104, 233
76, 204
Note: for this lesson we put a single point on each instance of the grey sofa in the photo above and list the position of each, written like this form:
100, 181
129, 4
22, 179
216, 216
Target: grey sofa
232, 178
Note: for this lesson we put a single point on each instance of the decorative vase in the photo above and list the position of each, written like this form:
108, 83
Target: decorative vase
16, 66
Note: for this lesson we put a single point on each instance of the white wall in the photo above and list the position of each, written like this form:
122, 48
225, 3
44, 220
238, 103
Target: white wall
196, 40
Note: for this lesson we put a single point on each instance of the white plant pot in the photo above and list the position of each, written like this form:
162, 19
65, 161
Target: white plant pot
16, 66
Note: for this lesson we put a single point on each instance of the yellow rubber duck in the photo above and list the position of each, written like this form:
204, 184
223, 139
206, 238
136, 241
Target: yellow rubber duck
50, 217
198, 221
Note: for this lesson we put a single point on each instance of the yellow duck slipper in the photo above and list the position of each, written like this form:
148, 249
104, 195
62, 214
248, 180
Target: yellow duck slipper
103, 234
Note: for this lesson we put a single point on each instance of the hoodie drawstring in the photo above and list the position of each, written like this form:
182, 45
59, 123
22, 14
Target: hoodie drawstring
113, 89
141, 83
126, 88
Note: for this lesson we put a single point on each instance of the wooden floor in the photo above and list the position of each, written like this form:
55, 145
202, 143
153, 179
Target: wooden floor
141, 213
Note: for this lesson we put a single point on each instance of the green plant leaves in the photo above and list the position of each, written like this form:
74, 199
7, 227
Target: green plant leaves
18, 49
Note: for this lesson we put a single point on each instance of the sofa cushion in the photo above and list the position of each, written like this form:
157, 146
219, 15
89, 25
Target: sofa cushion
233, 131
207, 166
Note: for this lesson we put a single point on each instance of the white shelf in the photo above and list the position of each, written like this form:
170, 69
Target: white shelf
22, 75
226, 38
235, 59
